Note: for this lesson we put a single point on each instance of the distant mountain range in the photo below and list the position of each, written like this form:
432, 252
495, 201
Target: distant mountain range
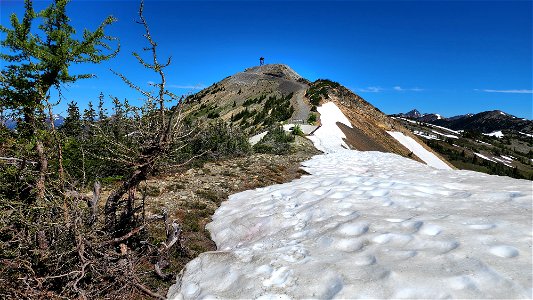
485, 122
12, 123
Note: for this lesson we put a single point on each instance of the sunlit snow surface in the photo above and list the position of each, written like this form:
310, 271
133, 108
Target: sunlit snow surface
329, 137
369, 225
426, 156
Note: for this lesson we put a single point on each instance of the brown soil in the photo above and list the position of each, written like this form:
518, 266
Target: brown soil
358, 140
193, 196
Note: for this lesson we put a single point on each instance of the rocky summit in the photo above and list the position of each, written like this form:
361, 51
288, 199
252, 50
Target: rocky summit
261, 96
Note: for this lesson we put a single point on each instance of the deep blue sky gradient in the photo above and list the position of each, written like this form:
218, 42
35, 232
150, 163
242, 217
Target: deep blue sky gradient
448, 57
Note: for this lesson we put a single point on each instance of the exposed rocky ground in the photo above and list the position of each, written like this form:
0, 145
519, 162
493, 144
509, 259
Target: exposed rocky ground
193, 196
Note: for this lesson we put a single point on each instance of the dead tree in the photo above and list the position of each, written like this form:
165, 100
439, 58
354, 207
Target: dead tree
156, 131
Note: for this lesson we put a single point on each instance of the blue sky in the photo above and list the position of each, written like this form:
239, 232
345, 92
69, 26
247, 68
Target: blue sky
448, 57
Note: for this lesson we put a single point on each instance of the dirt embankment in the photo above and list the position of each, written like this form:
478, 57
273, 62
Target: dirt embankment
193, 196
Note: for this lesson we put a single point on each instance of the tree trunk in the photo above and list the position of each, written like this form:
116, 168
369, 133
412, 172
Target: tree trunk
111, 204
43, 169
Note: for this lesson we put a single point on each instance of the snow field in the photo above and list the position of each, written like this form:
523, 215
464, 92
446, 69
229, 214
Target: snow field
370, 225
429, 158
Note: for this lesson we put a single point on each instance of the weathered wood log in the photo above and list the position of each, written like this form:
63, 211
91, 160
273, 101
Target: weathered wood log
93, 203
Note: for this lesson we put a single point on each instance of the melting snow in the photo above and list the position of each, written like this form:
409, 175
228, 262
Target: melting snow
426, 156
482, 142
498, 134
484, 157
408, 120
503, 161
446, 135
369, 225
444, 128
508, 157
329, 138
256, 138
426, 135
526, 134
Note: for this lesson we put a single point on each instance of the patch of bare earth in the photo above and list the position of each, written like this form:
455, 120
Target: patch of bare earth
358, 140
193, 196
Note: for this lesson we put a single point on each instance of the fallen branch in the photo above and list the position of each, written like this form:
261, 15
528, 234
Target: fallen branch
122, 238
147, 290
14, 160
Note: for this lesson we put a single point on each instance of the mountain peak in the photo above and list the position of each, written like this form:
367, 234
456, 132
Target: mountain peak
414, 113
275, 70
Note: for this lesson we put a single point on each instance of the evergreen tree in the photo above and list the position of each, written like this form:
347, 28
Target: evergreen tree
89, 114
102, 112
72, 125
38, 60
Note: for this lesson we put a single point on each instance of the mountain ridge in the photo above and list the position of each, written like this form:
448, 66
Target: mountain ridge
484, 122
261, 96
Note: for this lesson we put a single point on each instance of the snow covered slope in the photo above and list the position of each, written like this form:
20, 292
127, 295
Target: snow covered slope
429, 158
329, 138
370, 225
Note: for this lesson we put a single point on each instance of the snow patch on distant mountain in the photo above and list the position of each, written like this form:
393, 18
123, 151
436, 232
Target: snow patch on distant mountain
498, 134
483, 157
429, 158
526, 134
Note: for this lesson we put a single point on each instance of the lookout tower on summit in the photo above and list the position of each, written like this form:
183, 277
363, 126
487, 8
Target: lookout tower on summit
261, 61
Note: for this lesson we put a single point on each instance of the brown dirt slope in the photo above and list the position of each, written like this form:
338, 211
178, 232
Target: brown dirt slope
371, 126
358, 140
193, 196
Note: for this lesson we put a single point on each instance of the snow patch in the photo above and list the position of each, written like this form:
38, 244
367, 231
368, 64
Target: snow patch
498, 134
446, 135
426, 135
444, 128
526, 134
329, 137
369, 225
429, 158
408, 120
256, 138
306, 129
482, 142
483, 157
503, 161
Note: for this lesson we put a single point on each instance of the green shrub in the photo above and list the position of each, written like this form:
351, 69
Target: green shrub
297, 130
276, 141
216, 140
312, 118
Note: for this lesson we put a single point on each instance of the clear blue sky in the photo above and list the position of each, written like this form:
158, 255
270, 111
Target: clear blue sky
449, 57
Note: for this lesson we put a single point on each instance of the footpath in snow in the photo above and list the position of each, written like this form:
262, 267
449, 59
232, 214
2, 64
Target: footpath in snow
369, 225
